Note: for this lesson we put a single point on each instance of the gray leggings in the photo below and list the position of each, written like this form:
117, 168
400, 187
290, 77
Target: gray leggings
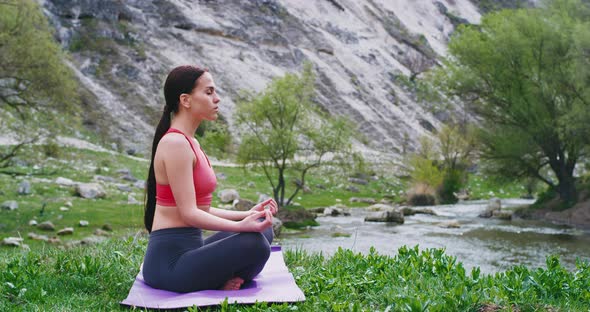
177, 259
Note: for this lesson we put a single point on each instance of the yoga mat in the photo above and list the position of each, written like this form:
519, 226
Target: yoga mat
273, 284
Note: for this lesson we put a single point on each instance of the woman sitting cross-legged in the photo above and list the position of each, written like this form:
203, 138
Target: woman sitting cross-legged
179, 191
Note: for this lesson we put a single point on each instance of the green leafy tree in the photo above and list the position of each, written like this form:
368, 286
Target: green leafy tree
35, 85
281, 123
525, 75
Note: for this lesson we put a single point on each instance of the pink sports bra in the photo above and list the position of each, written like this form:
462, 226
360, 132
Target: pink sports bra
204, 179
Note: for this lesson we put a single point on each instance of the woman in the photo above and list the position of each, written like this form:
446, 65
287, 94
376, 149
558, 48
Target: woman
179, 191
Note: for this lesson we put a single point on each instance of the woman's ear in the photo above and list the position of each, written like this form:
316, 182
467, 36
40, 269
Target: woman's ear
185, 100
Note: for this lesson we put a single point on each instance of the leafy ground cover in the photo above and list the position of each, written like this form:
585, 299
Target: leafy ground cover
96, 278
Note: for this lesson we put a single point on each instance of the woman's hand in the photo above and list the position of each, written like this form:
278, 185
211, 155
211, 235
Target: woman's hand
252, 223
270, 203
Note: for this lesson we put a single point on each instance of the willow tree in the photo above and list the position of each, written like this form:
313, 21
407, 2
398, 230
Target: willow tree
525, 74
284, 133
34, 82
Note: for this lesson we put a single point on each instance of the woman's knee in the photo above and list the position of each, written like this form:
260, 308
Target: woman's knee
255, 243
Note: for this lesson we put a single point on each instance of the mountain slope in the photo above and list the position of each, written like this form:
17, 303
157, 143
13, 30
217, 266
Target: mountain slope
122, 51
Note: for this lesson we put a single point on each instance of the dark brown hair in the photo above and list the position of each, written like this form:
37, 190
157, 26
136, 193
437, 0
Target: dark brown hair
182, 79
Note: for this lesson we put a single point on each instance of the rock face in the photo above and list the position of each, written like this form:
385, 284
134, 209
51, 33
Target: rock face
362, 53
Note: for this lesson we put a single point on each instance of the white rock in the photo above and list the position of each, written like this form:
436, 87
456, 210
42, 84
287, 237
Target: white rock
64, 181
228, 196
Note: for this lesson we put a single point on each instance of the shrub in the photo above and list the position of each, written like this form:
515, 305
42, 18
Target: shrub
453, 181
421, 194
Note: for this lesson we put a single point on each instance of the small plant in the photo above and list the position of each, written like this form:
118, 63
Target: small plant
421, 194
51, 149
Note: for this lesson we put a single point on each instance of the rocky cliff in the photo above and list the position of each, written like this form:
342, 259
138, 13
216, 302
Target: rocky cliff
122, 50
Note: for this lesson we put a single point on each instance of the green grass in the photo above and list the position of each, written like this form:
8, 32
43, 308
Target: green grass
482, 187
96, 278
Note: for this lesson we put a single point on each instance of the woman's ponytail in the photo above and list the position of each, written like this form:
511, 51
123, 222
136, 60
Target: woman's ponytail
182, 79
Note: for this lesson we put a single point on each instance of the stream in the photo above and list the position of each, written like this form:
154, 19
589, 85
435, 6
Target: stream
492, 244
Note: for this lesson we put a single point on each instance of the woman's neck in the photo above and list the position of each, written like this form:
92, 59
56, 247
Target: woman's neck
188, 127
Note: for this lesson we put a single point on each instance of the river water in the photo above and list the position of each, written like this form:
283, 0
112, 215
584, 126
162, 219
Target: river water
491, 244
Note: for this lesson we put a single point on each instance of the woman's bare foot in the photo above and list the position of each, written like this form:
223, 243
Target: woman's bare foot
234, 283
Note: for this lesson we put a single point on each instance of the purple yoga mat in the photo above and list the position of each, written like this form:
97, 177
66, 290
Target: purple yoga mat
273, 284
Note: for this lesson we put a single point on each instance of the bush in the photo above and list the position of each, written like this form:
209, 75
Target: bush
51, 149
421, 194
453, 181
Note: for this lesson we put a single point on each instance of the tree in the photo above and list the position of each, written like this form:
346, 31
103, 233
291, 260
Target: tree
282, 123
441, 164
33, 78
524, 73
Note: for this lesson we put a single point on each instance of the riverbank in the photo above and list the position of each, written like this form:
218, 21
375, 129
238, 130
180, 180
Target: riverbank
577, 216
98, 277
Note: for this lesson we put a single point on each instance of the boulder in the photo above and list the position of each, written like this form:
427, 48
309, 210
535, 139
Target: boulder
296, 217
243, 204
277, 225
104, 179
380, 207
54, 240
90, 240
10, 205
124, 188
503, 215
140, 184
365, 200
33, 222
352, 189
24, 188
334, 211
132, 201
493, 205
358, 181
12, 241
107, 227
228, 196
83, 223
90, 190
409, 211
66, 231
389, 216
36, 236
46, 226
64, 181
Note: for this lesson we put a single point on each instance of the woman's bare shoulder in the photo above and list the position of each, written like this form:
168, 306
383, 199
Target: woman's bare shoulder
173, 143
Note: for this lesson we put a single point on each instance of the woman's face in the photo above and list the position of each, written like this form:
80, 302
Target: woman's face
204, 99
